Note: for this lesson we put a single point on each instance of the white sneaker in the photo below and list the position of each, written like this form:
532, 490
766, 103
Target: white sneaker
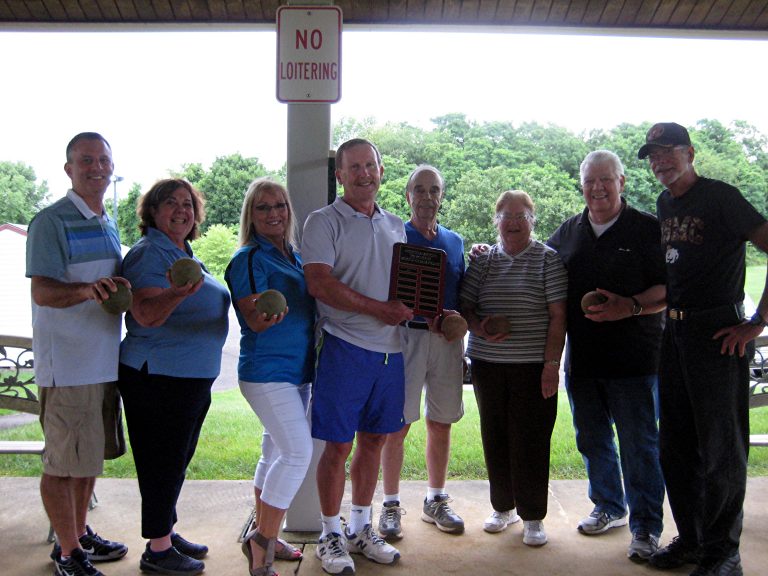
498, 521
332, 552
533, 533
372, 546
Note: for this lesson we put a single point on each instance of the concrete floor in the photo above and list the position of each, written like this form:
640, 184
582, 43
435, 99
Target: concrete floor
214, 512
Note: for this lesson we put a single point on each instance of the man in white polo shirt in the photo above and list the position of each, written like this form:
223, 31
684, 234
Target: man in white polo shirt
73, 255
359, 387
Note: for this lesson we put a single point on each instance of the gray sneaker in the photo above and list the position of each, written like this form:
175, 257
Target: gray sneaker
438, 512
598, 522
389, 520
643, 546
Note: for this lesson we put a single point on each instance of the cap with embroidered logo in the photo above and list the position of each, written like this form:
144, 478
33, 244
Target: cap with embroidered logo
665, 134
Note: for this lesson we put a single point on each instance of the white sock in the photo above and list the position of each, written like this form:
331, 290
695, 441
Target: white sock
432, 492
330, 524
392, 498
359, 516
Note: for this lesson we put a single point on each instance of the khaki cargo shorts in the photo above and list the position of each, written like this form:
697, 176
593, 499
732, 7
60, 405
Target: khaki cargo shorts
82, 427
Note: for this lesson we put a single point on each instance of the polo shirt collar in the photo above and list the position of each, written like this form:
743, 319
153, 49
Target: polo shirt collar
347, 210
161, 240
83, 208
265, 244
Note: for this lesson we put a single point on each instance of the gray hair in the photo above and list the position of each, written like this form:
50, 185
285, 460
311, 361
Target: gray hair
601, 157
424, 168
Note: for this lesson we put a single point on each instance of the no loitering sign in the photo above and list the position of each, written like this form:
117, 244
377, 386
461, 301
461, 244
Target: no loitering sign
309, 53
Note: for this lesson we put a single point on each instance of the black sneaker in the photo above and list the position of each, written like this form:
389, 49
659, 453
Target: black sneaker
76, 565
674, 555
730, 566
170, 562
196, 551
99, 549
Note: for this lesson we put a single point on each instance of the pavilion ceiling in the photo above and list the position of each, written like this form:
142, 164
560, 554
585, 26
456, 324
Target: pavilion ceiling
710, 15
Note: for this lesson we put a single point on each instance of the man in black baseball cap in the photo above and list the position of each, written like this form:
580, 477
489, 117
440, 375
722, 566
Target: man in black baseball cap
704, 372
664, 135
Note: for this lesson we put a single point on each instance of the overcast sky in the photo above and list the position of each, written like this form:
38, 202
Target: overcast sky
167, 98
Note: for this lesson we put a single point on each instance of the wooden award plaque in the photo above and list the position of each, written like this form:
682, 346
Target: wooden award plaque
418, 278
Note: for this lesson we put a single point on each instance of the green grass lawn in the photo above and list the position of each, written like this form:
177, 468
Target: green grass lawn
231, 439
754, 282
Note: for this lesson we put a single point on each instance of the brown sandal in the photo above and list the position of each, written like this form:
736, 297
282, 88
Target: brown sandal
268, 544
287, 552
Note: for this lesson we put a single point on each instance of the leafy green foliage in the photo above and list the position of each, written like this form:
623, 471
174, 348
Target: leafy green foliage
223, 186
127, 219
478, 162
20, 197
481, 160
215, 248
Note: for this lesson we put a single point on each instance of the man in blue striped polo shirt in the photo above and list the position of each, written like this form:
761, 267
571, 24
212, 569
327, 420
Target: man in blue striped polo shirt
73, 256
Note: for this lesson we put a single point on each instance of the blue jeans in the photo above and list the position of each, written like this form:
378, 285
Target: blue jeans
632, 405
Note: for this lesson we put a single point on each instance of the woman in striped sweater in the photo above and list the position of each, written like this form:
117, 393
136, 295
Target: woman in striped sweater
513, 298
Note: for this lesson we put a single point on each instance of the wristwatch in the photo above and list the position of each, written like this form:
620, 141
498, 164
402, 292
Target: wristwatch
757, 320
637, 308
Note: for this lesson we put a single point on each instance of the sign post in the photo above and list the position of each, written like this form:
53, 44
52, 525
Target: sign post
309, 81
309, 53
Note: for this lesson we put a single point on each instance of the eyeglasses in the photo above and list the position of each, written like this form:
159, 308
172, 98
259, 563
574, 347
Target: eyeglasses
507, 216
661, 153
266, 208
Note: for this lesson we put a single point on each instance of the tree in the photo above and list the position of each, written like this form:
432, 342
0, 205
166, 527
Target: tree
470, 211
215, 248
641, 187
20, 197
348, 128
755, 143
127, 219
734, 157
223, 186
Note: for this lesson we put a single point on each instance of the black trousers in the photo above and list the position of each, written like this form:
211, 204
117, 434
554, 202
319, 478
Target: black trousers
704, 432
164, 416
516, 424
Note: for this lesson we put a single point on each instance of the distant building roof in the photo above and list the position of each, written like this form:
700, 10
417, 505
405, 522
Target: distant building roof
19, 228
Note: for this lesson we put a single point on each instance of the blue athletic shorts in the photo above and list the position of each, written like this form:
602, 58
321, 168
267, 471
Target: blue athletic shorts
356, 390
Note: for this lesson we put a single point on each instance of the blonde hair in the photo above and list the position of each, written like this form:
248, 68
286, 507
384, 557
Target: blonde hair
255, 192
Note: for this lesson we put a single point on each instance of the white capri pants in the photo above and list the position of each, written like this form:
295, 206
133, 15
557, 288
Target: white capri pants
286, 445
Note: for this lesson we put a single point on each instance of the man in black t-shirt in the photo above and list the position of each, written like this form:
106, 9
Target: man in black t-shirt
704, 374
612, 357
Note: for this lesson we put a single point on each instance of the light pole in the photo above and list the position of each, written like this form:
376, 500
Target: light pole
115, 180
